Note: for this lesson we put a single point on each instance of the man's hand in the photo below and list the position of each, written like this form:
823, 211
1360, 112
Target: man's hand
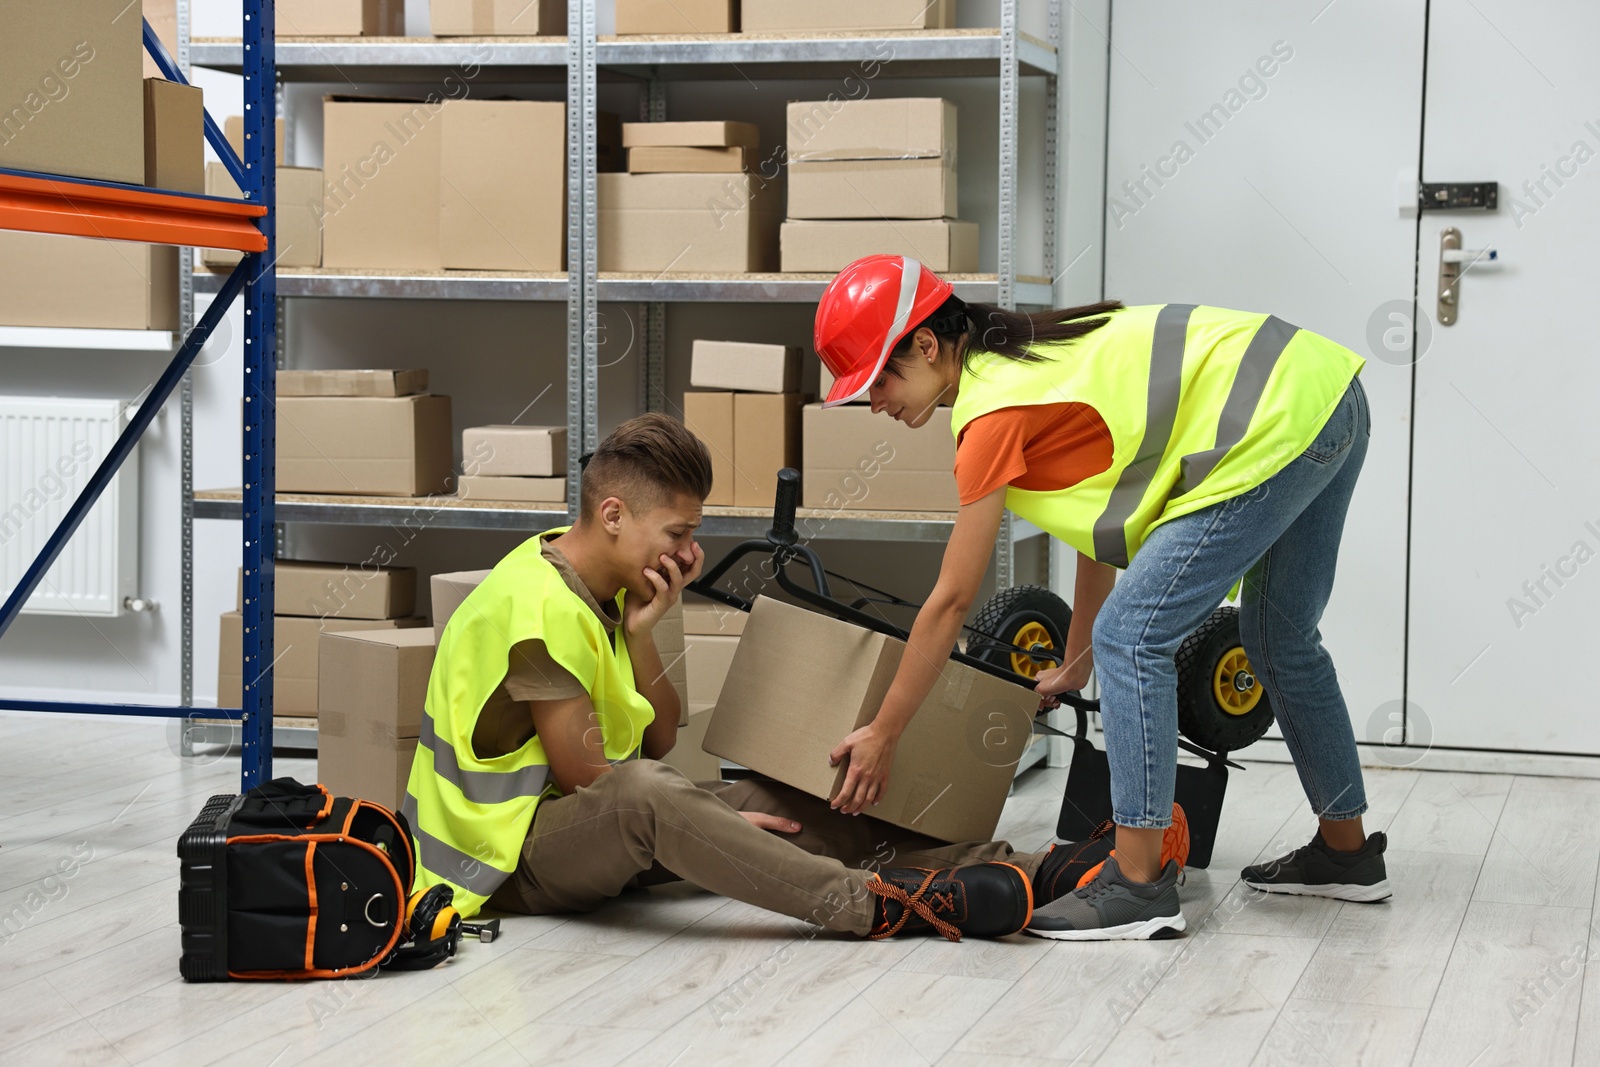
762, 821
641, 615
871, 754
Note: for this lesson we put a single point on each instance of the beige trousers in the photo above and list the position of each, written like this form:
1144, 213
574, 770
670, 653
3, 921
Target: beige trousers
644, 822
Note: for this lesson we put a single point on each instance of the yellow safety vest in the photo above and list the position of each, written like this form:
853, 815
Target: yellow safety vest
470, 816
1202, 404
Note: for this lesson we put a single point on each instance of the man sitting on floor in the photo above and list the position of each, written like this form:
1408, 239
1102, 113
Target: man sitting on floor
536, 786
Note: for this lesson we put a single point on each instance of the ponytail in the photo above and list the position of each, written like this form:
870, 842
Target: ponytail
1009, 334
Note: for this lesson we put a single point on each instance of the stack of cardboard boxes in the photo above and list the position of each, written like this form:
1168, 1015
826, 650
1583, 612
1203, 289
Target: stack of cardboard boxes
298, 214
340, 18
362, 433
779, 16
372, 687
677, 16
858, 461
519, 463
751, 422
693, 200
874, 176
498, 18
70, 77
310, 600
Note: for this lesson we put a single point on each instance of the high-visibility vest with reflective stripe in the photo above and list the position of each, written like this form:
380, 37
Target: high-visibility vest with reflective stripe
1202, 404
470, 816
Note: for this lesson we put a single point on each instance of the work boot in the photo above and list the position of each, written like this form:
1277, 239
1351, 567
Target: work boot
983, 900
1112, 908
1073, 865
1315, 870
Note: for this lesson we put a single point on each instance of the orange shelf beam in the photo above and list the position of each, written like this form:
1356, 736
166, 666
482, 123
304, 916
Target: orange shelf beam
48, 204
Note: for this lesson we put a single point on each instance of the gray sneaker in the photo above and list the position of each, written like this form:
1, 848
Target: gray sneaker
1111, 908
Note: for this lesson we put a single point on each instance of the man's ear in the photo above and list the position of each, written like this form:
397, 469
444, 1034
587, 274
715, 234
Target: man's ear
611, 512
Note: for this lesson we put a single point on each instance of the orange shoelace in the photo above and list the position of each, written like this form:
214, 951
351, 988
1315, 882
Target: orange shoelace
921, 902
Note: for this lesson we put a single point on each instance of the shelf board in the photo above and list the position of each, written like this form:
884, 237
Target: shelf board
452, 513
809, 56
666, 288
88, 340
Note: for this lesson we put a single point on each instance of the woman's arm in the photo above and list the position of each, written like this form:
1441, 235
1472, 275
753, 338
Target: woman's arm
1093, 585
938, 624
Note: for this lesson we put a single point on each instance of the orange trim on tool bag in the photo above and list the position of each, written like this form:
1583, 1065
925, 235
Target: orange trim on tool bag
327, 806
344, 972
311, 892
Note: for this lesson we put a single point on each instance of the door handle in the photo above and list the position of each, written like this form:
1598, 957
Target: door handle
1455, 261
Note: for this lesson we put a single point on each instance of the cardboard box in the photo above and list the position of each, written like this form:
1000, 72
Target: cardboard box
233, 131
69, 81
942, 245
745, 367
676, 16
379, 446
694, 223
766, 439
447, 591
339, 590
708, 658
341, 18
689, 754
889, 128
353, 382
669, 645
873, 189
162, 15
299, 216
381, 199
502, 185
43, 278
515, 451
515, 489
498, 18
858, 461
800, 682
371, 685
174, 136
708, 617
295, 644
709, 416
787, 16
691, 135
652, 160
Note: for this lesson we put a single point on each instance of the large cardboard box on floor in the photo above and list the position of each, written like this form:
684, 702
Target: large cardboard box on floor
868, 159
709, 416
340, 18
498, 18
299, 216
677, 16
380, 161
502, 185
44, 276
340, 590
688, 223
858, 461
689, 754
742, 366
174, 136
708, 658
366, 445
371, 688
515, 451
800, 682
788, 16
446, 592
295, 644
70, 83
943, 245
766, 439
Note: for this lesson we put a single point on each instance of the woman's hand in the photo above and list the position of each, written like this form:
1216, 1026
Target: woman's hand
640, 615
871, 753
1068, 678
762, 821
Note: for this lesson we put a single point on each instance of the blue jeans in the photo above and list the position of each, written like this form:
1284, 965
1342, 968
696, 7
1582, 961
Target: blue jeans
1283, 537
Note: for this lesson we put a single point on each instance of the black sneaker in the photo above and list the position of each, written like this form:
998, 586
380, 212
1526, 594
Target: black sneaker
981, 900
1315, 870
1111, 908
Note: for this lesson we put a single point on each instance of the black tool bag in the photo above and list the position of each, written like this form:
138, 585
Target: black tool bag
288, 881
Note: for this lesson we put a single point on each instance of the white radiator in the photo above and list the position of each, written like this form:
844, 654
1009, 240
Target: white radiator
49, 448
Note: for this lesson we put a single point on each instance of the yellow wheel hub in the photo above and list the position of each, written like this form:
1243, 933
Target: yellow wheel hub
1234, 684
1033, 637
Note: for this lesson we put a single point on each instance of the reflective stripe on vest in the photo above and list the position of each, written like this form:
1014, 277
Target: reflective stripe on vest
1201, 403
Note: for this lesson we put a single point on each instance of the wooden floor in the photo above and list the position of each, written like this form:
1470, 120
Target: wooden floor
1481, 957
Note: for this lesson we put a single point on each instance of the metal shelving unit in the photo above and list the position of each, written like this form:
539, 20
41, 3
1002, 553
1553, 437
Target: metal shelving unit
1002, 53
45, 203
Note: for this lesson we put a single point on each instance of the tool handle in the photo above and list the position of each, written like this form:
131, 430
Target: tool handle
783, 508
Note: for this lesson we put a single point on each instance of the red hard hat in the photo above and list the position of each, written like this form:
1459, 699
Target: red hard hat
865, 311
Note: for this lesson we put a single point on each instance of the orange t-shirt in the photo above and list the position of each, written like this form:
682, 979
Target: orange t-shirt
1041, 447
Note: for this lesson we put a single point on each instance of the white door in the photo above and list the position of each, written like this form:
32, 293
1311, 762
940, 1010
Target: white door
1252, 159
1505, 538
